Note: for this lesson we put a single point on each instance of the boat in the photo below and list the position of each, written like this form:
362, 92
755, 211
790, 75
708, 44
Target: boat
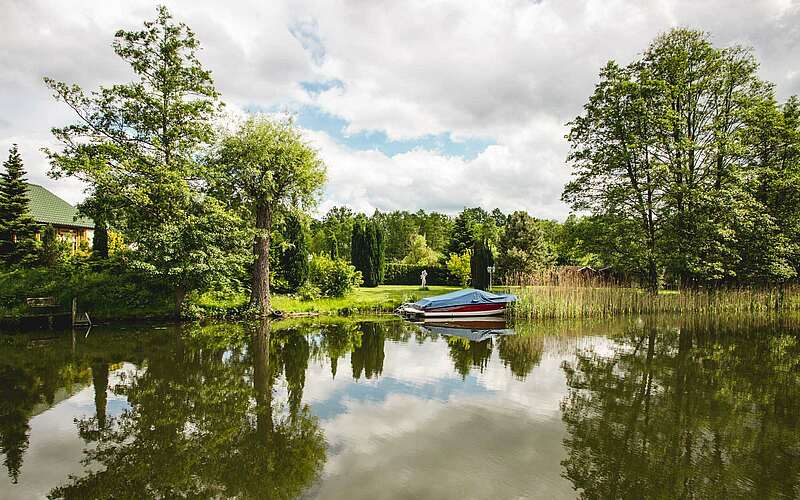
462, 303
474, 329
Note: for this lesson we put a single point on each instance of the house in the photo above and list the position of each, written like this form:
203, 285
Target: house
49, 209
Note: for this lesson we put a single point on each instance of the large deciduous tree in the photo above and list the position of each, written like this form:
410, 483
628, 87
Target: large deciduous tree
266, 169
17, 227
658, 156
136, 145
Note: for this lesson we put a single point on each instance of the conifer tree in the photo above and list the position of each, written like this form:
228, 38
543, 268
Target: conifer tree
481, 259
100, 242
294, 259
367, 251
17, 227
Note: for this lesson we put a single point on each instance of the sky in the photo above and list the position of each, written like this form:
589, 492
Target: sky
432, 105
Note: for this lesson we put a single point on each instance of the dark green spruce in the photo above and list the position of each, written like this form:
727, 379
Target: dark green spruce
17, 227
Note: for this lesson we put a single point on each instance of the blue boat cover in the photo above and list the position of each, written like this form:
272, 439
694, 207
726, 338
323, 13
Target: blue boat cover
464, 297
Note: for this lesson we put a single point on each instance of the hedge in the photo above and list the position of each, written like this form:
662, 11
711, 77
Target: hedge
402, 274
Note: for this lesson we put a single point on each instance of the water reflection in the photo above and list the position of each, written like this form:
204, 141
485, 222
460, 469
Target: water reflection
698, 409
630, 408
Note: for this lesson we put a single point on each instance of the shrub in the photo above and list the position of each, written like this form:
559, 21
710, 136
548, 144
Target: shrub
334, 278
104, 290
459, 266
308, 292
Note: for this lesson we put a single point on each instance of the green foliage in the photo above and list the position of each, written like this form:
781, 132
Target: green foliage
294, 258
334, 278
309, 292
524, 248
100, 242
482, 258
467, 229
420, 254
461, 267
53, 251
263, 170
367, 250
332, 234
17, 227
137, 145
668, 155
401, 228
398, 273
109, 291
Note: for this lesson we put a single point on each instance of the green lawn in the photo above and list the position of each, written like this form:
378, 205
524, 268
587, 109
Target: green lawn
379, 299
384, 298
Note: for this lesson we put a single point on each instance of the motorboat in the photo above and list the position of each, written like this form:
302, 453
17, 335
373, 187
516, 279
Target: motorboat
468, 302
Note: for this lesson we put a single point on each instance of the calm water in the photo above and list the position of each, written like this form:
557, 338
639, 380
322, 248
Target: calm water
660, 407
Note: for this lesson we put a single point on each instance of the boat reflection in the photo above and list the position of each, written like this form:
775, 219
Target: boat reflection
474, 329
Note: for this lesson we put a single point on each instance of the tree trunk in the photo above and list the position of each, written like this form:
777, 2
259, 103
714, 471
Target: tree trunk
262, 381
259, 291
180, 295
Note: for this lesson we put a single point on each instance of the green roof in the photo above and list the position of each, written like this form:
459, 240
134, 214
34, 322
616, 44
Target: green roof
47, 208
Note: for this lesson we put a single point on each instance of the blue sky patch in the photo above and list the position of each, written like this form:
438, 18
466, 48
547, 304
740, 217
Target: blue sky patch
314, 118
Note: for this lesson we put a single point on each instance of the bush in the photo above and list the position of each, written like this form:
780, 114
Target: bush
108, 290
401, 274
334, 278
308, 292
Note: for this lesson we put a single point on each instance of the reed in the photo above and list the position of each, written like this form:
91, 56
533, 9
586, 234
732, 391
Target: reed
571, 301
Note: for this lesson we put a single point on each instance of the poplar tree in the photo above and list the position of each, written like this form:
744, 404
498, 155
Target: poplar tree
17, 227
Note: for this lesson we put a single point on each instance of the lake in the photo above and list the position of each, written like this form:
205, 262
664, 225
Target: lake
342, 408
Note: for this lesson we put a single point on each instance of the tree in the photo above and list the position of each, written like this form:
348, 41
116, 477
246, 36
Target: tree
419, 254
367, 250
136, 145
332, 235
482, 258
263, 170
100, 241
295, 256
523, 249
657, 156
459, 266
17, 227
466, 228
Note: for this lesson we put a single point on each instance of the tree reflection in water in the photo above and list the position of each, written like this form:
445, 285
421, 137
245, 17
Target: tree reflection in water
705, 410
202, 422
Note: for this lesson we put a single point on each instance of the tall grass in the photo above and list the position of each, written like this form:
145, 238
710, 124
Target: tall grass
560, 302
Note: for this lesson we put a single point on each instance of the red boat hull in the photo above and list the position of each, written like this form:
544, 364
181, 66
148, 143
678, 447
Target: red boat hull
462, 311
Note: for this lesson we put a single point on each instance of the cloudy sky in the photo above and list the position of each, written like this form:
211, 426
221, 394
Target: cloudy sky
417, 104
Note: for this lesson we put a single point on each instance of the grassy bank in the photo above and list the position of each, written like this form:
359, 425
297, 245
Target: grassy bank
553, 302
381, 299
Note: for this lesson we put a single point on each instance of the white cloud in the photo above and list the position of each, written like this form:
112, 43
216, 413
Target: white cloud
512, 71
